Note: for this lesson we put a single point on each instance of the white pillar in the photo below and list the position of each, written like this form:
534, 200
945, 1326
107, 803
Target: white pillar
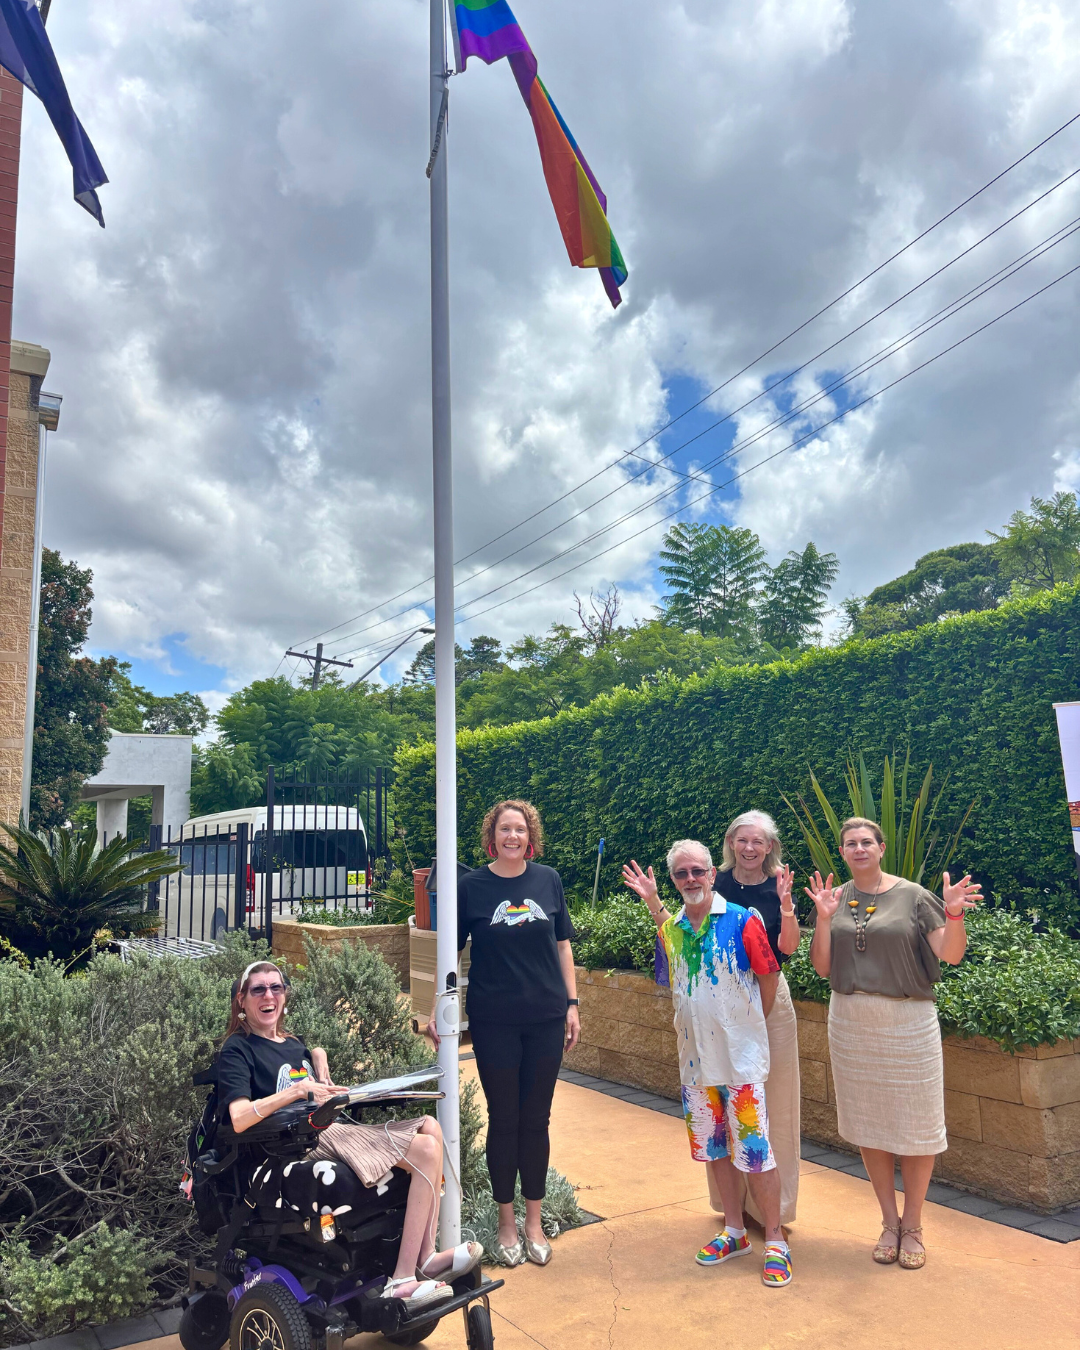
112, 813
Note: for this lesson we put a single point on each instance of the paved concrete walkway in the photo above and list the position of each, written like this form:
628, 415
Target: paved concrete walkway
630, 1282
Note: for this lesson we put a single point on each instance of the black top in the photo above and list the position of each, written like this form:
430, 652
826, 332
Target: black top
761, 896
515, 924
254, 1067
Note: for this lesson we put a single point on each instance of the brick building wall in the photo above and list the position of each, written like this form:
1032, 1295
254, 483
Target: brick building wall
27, 366
14, 627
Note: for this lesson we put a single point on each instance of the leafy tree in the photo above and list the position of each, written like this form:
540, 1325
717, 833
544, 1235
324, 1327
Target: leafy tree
712, 572
955, 580
1041, 547
133, 708
71, 730
794, 596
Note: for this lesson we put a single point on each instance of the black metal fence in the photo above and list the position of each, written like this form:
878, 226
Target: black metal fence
314, 842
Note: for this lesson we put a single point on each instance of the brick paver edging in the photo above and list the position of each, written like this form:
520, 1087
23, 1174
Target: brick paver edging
1063, 1227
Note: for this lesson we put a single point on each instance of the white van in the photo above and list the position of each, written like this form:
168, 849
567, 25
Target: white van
319, 853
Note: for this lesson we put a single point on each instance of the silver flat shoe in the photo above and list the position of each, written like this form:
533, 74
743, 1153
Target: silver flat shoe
539, 1253
508, 1256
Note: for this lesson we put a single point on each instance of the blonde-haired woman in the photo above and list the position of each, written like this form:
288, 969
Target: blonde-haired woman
753, 876
879, 939
523, 1011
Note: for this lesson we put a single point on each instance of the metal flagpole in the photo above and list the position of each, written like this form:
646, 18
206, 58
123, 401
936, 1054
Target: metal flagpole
446, 998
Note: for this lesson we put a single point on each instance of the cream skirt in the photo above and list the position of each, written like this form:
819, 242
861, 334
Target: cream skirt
369, 1150
887, 1073
782, 1095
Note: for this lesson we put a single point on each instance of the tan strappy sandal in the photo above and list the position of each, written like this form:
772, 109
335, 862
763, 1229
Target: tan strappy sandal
886, 1255
912, 1260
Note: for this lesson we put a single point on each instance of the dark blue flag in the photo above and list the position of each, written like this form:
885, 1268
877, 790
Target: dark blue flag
26, 53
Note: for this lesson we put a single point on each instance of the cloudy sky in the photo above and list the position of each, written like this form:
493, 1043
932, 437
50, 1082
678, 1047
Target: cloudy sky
244, 452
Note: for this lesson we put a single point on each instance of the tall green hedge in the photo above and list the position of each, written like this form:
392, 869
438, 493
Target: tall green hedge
972, 694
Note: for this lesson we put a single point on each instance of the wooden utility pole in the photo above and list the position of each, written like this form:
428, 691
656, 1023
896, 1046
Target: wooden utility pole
318, 661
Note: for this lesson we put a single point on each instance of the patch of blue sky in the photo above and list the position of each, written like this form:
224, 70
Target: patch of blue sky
174, 673
702, 441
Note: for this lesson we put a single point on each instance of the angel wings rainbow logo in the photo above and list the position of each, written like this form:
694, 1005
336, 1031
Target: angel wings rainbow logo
526, 912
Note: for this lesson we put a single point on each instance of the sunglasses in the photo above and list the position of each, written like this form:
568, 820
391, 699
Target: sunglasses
259, 990
685, 873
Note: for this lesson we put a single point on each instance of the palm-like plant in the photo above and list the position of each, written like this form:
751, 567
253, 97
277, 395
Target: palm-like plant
912, 837
57, 889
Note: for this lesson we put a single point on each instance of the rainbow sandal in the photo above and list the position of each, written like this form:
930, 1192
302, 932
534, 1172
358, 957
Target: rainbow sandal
777, 1269
722, 1248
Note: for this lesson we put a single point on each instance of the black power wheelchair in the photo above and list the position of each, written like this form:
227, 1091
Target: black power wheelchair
284, 1280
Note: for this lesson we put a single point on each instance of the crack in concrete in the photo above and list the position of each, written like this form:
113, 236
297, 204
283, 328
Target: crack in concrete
617, 1292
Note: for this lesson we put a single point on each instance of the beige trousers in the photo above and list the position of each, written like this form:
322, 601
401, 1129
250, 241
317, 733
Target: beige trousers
782, 1094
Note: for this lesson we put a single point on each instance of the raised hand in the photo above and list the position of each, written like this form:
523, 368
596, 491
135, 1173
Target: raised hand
959, 895
642, 883
825, 896
785, 878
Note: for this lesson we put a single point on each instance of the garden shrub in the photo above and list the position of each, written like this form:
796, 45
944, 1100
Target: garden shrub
1015, 986
972, 695
101, 1276
617, 935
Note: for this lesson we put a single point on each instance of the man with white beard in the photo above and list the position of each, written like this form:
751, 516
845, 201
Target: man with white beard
716, 959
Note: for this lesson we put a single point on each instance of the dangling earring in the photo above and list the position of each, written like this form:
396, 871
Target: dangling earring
241, 1016
529, 851
491, 851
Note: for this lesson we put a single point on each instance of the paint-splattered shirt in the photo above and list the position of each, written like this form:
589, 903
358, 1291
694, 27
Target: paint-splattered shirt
712, 977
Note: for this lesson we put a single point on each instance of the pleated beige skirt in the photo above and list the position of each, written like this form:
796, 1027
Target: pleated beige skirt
782, 1095
369, 1150
888, 1075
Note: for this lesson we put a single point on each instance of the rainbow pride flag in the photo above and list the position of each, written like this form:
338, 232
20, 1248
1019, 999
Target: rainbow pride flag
488, 29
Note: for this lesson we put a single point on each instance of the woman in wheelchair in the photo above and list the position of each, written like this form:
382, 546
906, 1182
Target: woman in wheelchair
262, 1067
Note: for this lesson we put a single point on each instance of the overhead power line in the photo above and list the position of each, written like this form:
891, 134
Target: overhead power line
686, 411
777, 453
890, 349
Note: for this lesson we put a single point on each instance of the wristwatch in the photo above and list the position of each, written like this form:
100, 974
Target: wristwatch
573, 1003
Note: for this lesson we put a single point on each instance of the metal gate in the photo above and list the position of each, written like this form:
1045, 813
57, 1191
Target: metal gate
314, 842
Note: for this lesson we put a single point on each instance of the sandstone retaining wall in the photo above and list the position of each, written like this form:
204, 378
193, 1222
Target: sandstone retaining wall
1013, 1120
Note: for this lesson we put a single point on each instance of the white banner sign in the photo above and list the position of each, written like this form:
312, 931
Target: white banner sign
1068, 720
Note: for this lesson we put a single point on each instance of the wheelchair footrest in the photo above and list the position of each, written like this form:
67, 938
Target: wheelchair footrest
393, 1322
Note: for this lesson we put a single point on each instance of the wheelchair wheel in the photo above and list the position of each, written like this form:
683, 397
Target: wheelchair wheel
205, 1323
269, 1318
412, 1337
481, 1336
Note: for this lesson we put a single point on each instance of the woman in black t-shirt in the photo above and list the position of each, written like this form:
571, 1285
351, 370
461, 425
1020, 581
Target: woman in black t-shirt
753, 876
262, 1067
523, 1010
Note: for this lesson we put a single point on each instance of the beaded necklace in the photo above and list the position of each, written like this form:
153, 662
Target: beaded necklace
860, 923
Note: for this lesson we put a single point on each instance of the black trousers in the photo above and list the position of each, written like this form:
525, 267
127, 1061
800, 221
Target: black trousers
518, 1064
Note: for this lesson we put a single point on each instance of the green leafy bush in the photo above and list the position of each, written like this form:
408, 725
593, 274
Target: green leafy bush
1015, 986
972, 695
101, 1276
617, 935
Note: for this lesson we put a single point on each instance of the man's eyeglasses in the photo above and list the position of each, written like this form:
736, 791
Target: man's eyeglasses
686, 873
260, 990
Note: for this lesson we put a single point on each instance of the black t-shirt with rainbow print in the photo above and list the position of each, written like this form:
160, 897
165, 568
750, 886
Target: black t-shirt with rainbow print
254, 1067
516, 924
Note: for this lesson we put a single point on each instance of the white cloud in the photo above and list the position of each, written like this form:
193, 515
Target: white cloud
244, 451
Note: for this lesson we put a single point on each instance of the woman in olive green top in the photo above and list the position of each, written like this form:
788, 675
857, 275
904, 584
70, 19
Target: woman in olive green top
879, 940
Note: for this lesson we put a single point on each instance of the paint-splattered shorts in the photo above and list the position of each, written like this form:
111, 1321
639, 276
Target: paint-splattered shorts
729, 1122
